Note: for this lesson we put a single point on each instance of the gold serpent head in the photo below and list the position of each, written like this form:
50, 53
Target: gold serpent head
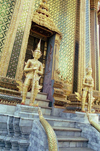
40, 112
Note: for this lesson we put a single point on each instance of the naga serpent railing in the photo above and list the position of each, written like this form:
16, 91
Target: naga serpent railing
52, 140
94, 124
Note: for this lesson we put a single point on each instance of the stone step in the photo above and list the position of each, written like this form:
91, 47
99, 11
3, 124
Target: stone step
46, 110
40, 102
60, 122
8, 109
40, 95
72, 141
18, 99
75, 149
64, 131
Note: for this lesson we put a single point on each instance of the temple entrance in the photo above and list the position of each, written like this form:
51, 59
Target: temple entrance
32, 44
36, 33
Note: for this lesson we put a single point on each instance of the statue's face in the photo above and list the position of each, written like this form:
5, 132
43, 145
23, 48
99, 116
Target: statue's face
90, 71
36, 54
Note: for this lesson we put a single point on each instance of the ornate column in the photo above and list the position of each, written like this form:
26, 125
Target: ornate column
12, 59
81, 63
94, 43
21, 39
25, 24
9, 8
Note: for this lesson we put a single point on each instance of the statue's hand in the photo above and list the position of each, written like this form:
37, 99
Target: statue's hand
35, 68
36, 71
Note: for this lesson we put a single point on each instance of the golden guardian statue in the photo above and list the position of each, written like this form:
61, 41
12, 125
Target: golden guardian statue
87, 91
33, 71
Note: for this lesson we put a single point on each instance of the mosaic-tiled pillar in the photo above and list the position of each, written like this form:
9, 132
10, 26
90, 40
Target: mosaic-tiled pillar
82, 44
11, 10
13, 53
76, 56
94, 43
15, 68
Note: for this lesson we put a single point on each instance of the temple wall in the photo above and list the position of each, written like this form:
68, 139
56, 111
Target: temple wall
16, 27
64, 15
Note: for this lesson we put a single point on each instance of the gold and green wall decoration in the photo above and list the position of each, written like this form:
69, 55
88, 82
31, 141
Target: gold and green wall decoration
63, 13
23, 23
6, 12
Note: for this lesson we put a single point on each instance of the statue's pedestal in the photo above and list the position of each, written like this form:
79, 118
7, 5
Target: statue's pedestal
76, 116
94, 117
26, 111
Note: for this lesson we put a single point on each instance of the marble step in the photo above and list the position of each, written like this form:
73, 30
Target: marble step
30, 111
75, 149
71, 141
40, 95
60, 122
64, 131
40, 102
46, 110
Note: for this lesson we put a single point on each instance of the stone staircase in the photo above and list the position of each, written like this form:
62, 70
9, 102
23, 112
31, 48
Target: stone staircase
69, 138
15, 129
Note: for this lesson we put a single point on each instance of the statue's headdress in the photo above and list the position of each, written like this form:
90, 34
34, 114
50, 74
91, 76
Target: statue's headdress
37, 48
89, 67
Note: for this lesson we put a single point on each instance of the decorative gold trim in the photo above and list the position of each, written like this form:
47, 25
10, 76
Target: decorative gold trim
10, 39
52, 141
94, 4
19, 72
42, 17
6, 102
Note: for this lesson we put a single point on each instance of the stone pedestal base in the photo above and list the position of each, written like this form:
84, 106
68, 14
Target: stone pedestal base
77, 116
26, 111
